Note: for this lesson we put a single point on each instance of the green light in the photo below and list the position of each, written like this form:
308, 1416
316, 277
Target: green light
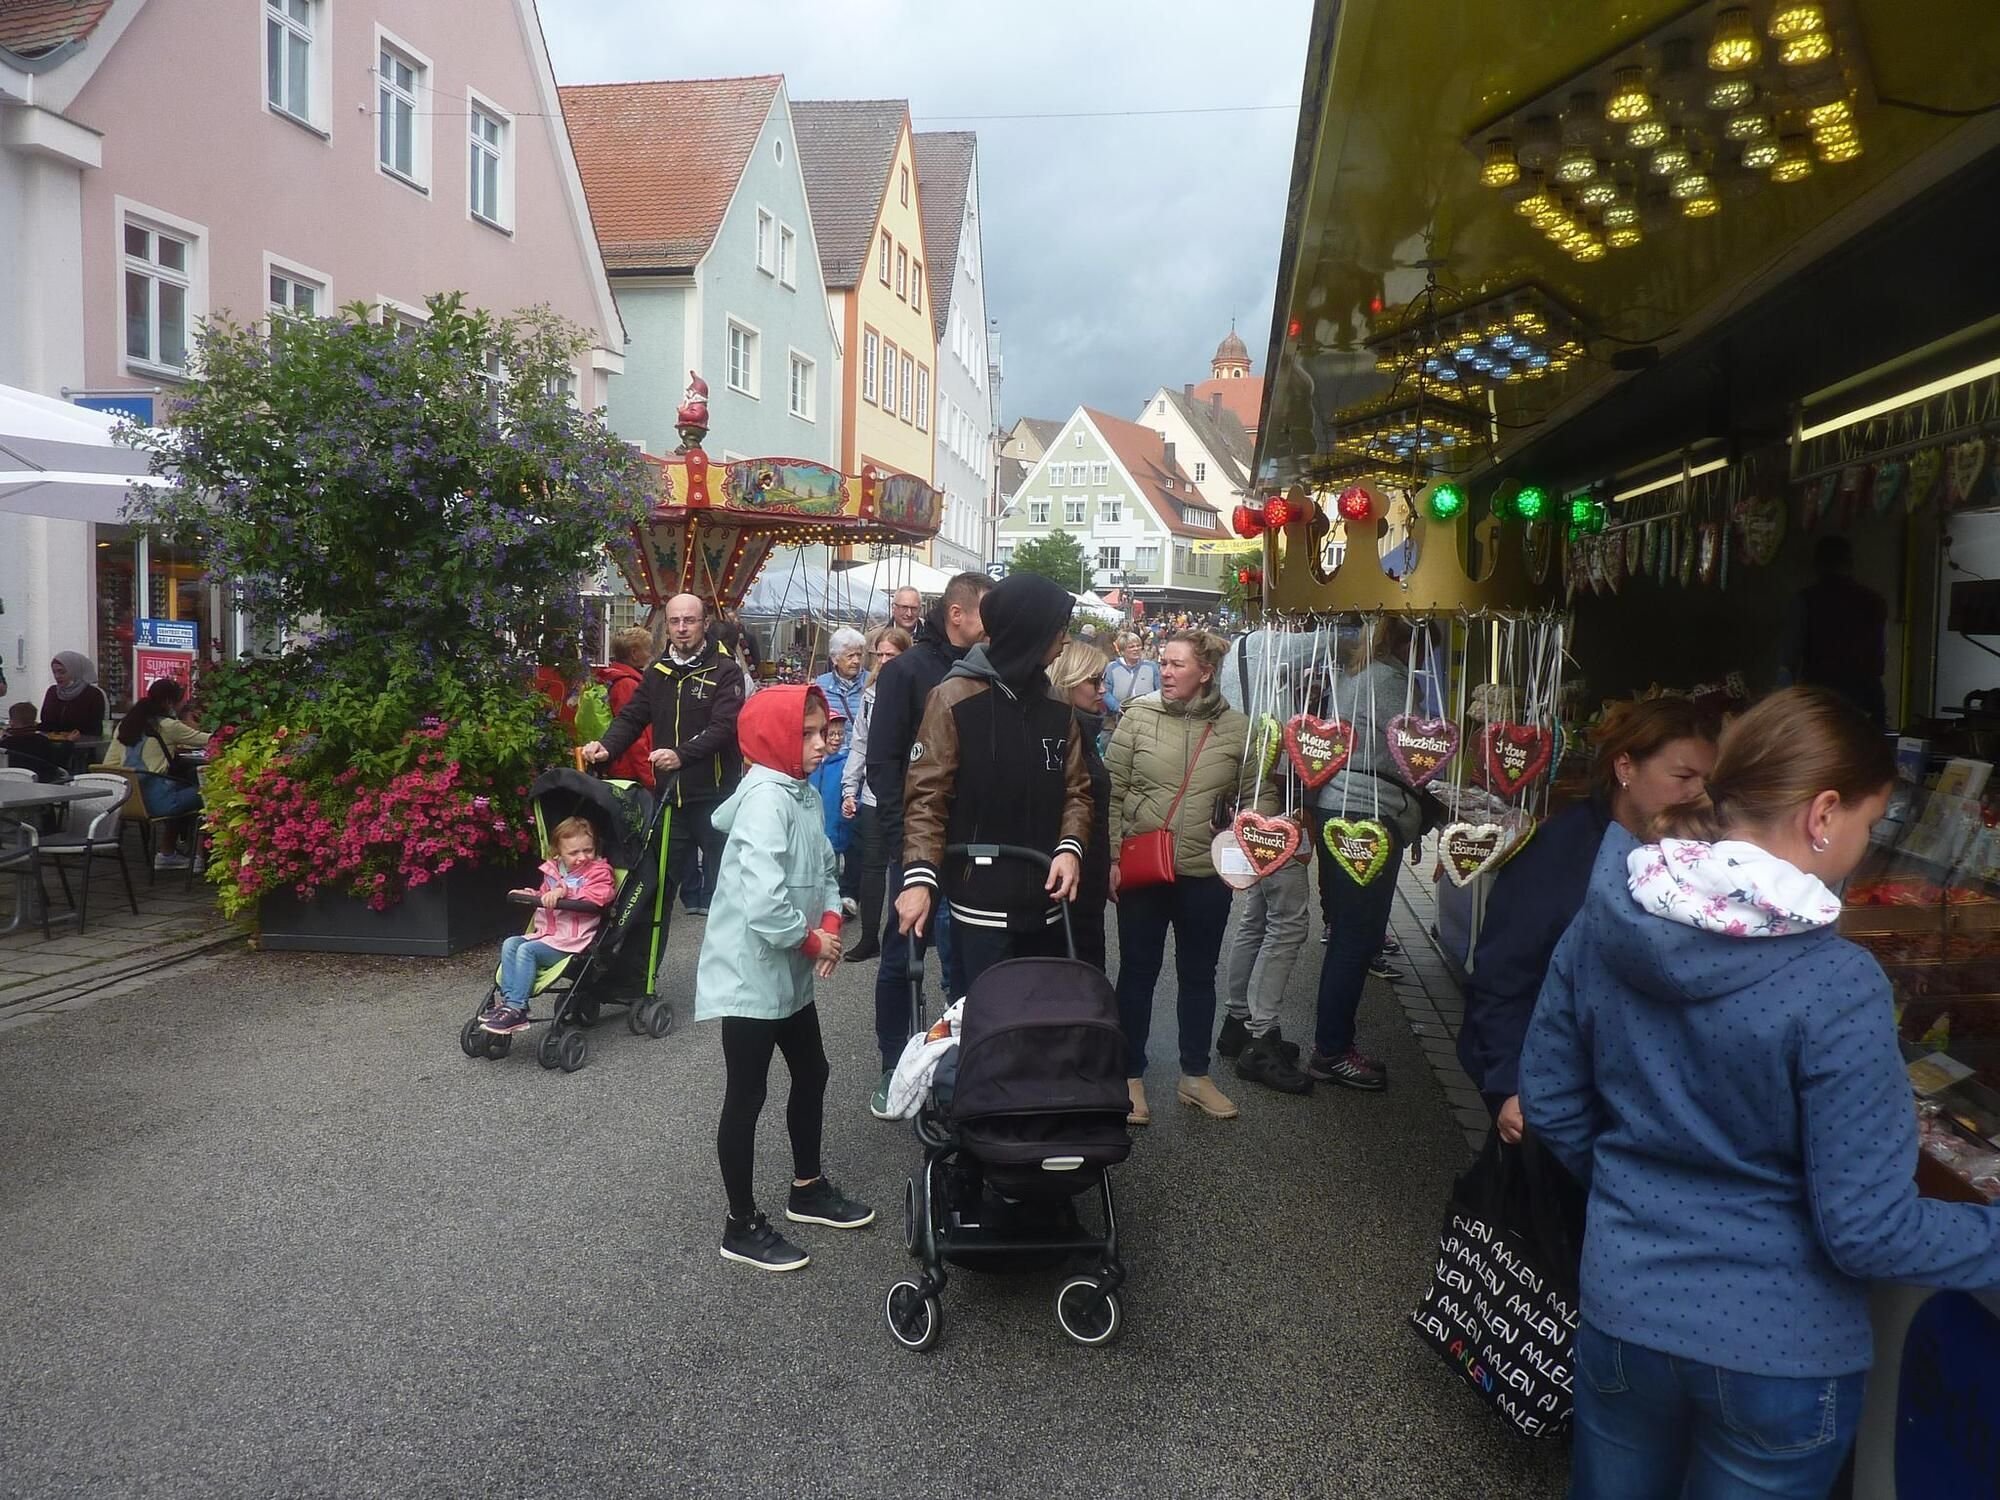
1531, 504
1446, 501
1582, 511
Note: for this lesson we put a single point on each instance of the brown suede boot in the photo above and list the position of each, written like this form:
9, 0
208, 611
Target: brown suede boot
1205, 1096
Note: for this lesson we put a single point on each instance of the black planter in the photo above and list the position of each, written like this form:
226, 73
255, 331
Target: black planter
460, 909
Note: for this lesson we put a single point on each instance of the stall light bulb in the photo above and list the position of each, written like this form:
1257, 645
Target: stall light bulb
1668, 160
1529, 322
1760, 154
1621, 214
1691, 185
1845, 148
1576, 165
1833, 112
1730, 93
1622, 236
1590, 250
1597, 194
1794, 163
1703, 207
1796, 19
1501, 168
1646, 133
1750, 125
1531, 504
1735, 45
1629, 100
1814, 46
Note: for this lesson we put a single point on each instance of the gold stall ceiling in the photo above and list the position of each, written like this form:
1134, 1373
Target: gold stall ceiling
1392, 182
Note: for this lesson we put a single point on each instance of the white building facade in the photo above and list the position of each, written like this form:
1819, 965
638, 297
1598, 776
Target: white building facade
967, 416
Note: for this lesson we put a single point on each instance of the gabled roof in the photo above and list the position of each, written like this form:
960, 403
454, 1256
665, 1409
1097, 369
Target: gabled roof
944, 171
660, 162
1220, 433
1143, 453
35, 28
846, 147
1241, 395
1013, 474
1045, 431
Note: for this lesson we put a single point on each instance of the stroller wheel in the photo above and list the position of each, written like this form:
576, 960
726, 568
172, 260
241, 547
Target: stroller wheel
915, 1320
549, 1053
635, 1017
910, 1216
471, 1040
572, 1050
659, 1018
586, 1012
498, 1047
1088, 1312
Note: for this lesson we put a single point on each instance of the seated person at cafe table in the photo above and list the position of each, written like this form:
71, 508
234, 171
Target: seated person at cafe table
156, 744
75, 705
28, 749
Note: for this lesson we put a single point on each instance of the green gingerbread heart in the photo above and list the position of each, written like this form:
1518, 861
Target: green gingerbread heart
1360, 848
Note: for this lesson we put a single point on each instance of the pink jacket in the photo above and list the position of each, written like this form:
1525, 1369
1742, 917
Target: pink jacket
571, 931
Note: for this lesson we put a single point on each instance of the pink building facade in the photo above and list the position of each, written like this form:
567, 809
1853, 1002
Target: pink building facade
167, 161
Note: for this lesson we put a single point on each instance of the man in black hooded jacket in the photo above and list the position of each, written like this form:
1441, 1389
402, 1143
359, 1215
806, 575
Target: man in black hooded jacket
997, 761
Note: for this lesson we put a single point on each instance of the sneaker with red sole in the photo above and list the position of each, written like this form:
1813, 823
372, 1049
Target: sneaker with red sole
505, 1021
1352, 1069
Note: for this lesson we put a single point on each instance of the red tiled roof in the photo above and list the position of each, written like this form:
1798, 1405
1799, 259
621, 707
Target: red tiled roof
1241, 398
660, 162
846, 148
30, 28
1143, 452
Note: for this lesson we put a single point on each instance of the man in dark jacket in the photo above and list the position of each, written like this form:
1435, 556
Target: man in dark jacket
952, 628
690, 697
992, 730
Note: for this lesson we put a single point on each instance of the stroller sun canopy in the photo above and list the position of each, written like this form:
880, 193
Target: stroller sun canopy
622, 814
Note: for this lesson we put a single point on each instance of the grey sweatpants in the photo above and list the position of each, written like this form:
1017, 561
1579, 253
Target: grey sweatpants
1269, 934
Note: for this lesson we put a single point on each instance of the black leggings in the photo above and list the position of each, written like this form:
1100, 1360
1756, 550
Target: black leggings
746, 1054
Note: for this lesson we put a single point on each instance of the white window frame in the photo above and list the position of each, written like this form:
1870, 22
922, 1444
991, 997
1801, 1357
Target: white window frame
788, 256
1100, 472
755, 357
1058, 474
1076, 511
889, 353
806, 411
882, 257
871, 351
907, 390
903, 272
298, 274
318, 34
1200, 471
421, 110
1111, 509
1110, 559
923, 397
905, 188
1039, 512
1141, 554
916, 286
385, 308
767, 241
1076, 438
477, 104
193, 281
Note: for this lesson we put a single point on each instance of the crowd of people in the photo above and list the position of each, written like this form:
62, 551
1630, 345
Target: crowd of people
1658, 993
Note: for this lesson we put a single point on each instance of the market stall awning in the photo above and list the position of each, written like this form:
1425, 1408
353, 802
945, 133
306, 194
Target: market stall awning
892, 573
62, 461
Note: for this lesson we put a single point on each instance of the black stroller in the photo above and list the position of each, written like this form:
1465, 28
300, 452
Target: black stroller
621, 964
1034, 1119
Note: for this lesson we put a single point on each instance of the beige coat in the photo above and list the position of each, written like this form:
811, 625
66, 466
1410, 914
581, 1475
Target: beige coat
1149, 756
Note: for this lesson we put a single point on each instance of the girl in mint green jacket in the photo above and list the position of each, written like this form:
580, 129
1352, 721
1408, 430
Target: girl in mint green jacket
773, 925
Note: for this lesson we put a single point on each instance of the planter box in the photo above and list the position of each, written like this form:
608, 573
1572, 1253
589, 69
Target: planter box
460, 910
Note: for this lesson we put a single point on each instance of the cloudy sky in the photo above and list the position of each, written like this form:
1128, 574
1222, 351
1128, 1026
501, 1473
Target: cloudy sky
1117, 248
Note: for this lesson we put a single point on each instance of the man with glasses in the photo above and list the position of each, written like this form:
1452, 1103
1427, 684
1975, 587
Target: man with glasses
907, 609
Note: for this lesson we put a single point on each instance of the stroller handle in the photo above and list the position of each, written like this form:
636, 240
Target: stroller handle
523, 898
982, 854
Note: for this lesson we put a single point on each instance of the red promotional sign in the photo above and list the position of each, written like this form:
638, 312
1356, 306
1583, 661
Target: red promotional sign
150, 663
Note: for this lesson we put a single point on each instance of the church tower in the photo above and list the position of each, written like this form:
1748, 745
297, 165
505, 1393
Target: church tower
1232, 358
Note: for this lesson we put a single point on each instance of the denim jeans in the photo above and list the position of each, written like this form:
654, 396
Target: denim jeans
892, 974
694, 855
1196, 908
1650, 1426
1266, 946
1359, 915
522, 960
977, 949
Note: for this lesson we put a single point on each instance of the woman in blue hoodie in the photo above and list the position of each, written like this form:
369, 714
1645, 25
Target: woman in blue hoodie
1723, 1070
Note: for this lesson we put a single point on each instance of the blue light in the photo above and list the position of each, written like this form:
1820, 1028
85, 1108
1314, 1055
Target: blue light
1538, 361
1465, 353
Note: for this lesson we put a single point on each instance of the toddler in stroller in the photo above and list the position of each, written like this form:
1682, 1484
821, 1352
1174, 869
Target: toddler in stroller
1031, 1119
576, 887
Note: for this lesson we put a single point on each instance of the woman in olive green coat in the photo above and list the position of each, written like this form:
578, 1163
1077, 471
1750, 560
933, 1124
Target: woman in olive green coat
1160, 742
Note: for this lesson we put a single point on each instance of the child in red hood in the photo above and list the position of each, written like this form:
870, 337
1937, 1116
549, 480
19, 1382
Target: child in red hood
631, 653
774, 925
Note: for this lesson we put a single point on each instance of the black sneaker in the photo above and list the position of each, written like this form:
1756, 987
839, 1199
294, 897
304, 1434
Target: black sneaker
1276, 1037
862, 953
1235, 1034
1379, 967
1391, 948
823, 1203
1352, 1069
1264, 1062
756, 1243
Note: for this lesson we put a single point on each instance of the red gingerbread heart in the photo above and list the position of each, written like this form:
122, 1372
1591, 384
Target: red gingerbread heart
1421, 747
1318, 747
1515, 754
1266, 842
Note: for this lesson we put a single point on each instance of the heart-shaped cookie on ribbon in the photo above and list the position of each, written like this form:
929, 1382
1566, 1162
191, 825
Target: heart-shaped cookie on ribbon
1886, 485
1819, 498
1466, 849
1318, 747
1266, 842
1421, 747
1515, 755
1360, 847
1515, 831
1925, 467
1967, 463
1267, 738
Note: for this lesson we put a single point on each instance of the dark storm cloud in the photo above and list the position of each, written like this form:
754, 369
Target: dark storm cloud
1117, 249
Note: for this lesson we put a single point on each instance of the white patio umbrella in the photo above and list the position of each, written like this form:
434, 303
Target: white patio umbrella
893, 573
60, 460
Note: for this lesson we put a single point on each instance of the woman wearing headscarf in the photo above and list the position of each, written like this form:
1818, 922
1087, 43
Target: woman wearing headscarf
75, 705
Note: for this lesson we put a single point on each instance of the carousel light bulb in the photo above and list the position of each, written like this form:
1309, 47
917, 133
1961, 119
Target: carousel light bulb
1759, 155
1621, 214
1670, 159
1814, 46
1690, 185
1533, 205
1730, 93
1843, 148
1529, 322
1794, 18
1794, 163
1530, 503
1501, 167
1591, 249
1576, 164
1598, 193
1646, 133
1621, 236
1629, 99
1735, 45
1705, 206
1833, 112
1748, 125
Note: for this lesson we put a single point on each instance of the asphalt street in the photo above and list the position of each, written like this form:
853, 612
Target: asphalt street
264, 1230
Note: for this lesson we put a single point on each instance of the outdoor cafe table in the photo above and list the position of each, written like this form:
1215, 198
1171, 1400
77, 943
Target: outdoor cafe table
17, 798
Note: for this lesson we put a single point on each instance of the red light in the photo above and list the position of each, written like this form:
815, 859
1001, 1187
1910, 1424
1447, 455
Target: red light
1278, 512
1292, 328
1375, 304
1356, 504
1246, 522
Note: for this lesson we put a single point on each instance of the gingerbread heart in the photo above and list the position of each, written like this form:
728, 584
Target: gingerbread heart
1421, 747
1515, 754
1266, 842
1360, 847
1267, 737
1318, 747
1710, 551
1466, 849
1515, 831
1762, 524
1886, 485
1968, 462
1925, 467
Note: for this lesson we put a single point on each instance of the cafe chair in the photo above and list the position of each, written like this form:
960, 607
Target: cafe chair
22, 860
96, 833
135, 811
